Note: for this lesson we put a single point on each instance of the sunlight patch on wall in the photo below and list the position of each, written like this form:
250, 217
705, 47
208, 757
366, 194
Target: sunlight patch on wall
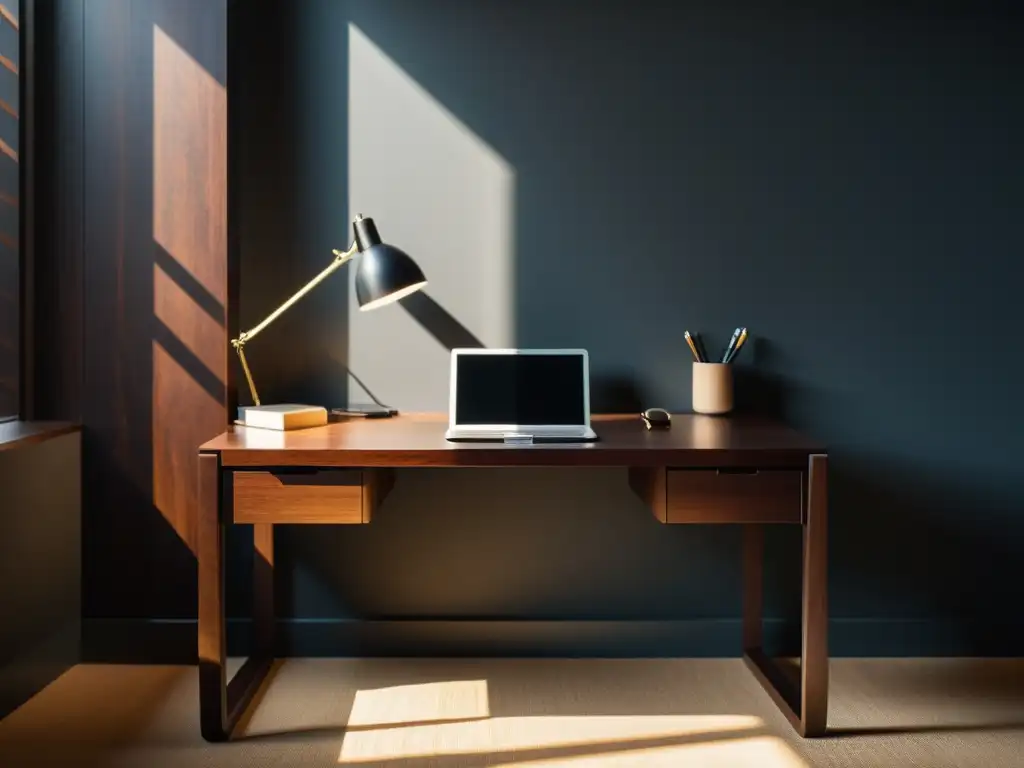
190, 225
201, 334
183, 414
440, 193
190, 164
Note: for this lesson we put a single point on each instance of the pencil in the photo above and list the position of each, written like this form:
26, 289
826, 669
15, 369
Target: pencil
729, 347
689, 341
739, 345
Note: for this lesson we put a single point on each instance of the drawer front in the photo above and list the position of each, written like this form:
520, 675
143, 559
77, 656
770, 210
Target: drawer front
719, 496
322, 496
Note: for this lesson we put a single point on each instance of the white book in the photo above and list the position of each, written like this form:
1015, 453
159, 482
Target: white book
282, 417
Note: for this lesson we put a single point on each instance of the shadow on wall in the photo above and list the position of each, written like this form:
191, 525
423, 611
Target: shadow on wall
701, 177
705, 176
910, 540
438, 322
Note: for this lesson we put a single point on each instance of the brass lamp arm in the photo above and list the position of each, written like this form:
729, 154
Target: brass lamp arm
340, 258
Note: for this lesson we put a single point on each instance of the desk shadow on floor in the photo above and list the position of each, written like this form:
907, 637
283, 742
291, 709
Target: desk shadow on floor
411, 713
242, 725
924, 729
944, 695
90, 712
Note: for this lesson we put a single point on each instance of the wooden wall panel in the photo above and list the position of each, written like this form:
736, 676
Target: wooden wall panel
189, 198
190, 283
175, 437
181, 316
154, 189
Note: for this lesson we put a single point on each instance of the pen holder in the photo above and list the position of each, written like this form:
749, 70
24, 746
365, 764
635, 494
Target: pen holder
712, 388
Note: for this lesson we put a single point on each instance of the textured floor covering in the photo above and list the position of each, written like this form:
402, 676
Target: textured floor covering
483, 712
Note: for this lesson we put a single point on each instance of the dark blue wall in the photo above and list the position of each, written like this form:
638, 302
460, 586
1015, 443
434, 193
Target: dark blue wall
848, 184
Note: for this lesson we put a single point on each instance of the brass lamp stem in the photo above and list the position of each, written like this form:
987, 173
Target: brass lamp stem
340, 258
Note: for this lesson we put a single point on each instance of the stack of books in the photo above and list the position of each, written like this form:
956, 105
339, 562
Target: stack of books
282, 417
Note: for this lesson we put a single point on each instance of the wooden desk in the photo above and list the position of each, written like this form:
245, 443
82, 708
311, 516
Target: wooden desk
705, 469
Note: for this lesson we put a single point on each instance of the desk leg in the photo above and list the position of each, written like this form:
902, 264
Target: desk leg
213, 713
753, 585
263, 589
806, 704
221, 704
814, 662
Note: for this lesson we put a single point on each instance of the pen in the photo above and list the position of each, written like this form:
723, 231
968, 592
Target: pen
739, 344
693, 348
730, 345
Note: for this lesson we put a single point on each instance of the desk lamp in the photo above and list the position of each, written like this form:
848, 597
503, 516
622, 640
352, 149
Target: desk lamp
384, 274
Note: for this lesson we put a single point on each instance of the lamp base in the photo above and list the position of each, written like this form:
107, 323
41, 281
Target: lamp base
285, 416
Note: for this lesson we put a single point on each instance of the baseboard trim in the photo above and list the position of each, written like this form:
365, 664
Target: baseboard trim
174, 641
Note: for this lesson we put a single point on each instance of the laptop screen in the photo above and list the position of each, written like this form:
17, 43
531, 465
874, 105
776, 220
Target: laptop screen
520, 389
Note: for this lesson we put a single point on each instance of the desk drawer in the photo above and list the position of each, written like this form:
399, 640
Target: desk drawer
723, 496
316, 496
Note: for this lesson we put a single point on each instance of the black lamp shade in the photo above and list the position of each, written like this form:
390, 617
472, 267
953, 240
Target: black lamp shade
383, 273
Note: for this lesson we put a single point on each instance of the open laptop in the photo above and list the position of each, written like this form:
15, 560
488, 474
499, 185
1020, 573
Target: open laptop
520, 395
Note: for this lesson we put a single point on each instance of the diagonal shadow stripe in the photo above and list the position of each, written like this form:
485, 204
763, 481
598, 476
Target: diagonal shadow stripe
191, 364
184, 280
438, 322
600, 749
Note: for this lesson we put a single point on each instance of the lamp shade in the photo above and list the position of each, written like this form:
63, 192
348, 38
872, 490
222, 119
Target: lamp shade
383, 273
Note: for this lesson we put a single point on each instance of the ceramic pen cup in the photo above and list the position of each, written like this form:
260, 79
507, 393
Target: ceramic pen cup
712, 388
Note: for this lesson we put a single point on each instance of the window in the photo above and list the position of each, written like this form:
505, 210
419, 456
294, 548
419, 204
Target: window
10, 282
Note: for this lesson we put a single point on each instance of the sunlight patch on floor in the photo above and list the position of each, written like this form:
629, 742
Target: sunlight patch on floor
757, 752
424, 703
565, 738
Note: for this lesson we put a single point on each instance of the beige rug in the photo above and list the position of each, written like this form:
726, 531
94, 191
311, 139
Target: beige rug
540, 713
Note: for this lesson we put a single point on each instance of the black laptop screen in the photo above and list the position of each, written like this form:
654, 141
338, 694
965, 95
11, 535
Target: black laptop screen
520, 389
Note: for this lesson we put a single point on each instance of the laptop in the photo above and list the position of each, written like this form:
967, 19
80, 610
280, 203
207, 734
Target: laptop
520, 395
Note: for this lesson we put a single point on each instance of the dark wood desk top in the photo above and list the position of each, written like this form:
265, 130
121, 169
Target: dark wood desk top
418, 440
